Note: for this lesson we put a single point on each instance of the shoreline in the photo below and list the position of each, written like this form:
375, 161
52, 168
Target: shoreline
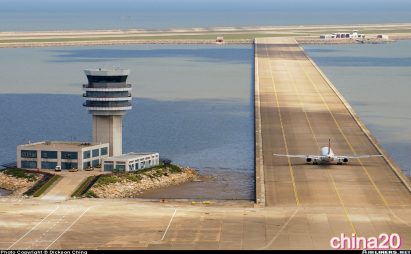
134, 184
306, 34
16, 186
186, 42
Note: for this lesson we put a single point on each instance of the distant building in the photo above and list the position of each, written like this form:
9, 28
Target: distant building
131, 162
68, 155
326, 36
383, 37
353, 35
220, 40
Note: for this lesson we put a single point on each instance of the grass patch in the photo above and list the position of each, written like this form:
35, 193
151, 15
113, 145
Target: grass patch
136, 176
21, 173
90, 194
133, 177
170, 167
45, 186
42, 185
107, 179
85, 186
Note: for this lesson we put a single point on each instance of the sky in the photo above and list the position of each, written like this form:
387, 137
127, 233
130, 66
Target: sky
181, 5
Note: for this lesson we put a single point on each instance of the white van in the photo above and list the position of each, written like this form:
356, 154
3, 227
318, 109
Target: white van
58, 168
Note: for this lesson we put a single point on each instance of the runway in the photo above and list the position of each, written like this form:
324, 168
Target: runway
299, 206
298, 112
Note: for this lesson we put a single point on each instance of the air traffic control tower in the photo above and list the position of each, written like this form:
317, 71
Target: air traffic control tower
108, 97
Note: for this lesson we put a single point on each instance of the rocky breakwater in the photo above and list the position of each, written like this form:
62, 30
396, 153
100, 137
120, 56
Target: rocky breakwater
132, 184
17, 180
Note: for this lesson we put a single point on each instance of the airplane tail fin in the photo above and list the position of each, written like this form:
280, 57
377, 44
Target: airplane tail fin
329, 146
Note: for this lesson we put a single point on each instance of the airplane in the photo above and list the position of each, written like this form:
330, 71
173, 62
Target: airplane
327, 156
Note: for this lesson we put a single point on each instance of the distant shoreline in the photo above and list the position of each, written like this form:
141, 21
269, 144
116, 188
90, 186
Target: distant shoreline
308, 34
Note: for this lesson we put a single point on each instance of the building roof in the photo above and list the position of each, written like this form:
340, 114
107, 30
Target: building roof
59, 144
129, 156
107, 72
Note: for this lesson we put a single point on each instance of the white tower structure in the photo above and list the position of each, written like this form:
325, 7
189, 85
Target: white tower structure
108, 97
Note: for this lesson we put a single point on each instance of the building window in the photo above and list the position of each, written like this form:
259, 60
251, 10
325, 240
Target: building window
69, 155
86, 154
121, 167
106, 79
108, 167
95, 163
86, 164
68, 165
103, 151
48, 165
28, 153
49, 154
96, 153
29, 164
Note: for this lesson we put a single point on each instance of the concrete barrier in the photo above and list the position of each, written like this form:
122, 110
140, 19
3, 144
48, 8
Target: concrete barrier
259, 170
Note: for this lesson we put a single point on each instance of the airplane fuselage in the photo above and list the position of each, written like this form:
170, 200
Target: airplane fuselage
327, 154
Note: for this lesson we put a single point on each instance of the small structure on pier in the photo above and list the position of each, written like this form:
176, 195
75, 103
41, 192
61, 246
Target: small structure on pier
354, 35
383, 37
219, 40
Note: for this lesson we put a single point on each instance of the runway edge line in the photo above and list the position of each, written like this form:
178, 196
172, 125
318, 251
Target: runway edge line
398, 172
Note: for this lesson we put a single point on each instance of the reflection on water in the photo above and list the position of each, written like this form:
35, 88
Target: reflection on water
375, 79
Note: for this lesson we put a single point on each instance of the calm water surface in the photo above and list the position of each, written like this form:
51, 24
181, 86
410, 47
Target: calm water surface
193, 104
26, 15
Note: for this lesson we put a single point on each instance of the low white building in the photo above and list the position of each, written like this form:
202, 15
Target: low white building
383, 37
220, 40
67, 155
326, 36
130, 162
353, 35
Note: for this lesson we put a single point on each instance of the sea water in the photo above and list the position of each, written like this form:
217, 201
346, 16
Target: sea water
192, 104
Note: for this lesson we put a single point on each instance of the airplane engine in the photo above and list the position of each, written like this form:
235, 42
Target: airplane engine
308, 159
345, 160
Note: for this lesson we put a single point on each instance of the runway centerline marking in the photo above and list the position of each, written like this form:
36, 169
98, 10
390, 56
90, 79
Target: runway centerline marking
345, 137
28, 232
318, 146
297, 200
169, 224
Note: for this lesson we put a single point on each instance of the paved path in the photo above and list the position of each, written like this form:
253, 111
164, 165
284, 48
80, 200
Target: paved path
66, 185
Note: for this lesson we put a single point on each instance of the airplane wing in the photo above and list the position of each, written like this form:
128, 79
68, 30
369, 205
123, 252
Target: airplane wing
295, 156
360, 156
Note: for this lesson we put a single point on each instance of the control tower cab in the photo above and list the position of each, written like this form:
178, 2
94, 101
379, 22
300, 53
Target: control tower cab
108, 97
